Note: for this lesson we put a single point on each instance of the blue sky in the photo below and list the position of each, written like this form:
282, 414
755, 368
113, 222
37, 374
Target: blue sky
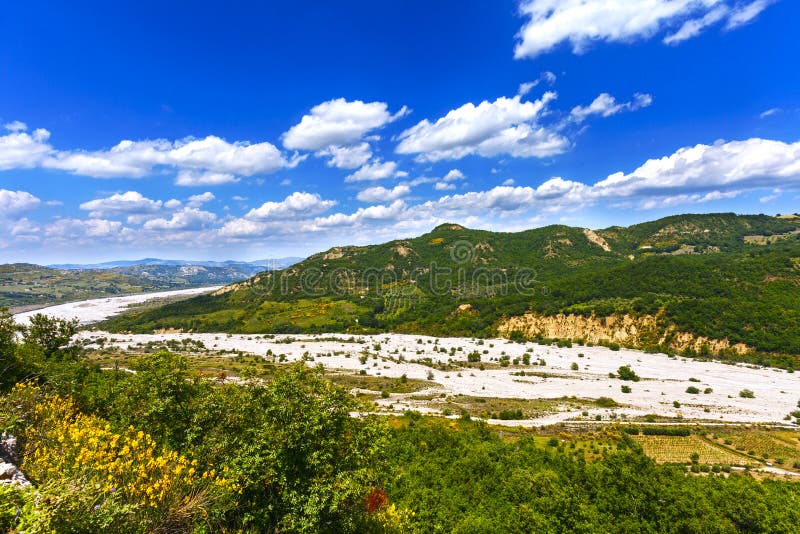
264, 129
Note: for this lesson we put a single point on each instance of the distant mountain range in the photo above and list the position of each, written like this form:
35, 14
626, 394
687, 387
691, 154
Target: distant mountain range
24, 285
272, 263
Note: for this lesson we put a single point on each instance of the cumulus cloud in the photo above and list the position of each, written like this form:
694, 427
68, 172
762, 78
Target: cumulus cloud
606, 105
298, 204
505, 126
382, 194
131, 202
347, 157
207, 161
443, 186
372, 213
13, 203
185, 219
195, 201
376, 170
748, 164
78, 229
584, 22
22, 150
338, 122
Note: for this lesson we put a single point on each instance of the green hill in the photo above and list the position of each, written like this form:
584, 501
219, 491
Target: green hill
709, 277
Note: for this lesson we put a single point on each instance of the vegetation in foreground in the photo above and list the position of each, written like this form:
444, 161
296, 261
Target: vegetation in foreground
162, 449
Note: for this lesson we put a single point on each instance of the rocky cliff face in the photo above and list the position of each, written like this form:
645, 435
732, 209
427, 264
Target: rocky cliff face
635, 332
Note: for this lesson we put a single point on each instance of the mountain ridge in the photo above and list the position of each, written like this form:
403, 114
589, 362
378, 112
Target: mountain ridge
718, 276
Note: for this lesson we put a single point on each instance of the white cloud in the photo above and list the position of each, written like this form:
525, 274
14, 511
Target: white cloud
584, 22
21, 150
372, 213
195, 201
684, 198
745, 13
131, 202
207, 161
769, 198
347, 157
338, 122
186, 219
13, 203
376, 170
173, 204
194, 178
15, 126
509, 181
505, 126
382, 194
526, 87
443, 186
78, 229
748, 164
606, 105
453, 175
694, 27
769, 113
296, 205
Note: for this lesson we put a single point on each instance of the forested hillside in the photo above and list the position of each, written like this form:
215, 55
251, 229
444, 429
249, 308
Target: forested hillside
708, 277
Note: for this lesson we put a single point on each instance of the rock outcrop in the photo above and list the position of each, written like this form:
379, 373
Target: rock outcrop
630, 331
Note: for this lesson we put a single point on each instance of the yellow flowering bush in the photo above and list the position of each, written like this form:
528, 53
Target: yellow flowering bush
123, 471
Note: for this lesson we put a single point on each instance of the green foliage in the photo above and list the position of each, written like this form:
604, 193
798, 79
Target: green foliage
692, 390
626, 373
747, 394
469, 479
50, 333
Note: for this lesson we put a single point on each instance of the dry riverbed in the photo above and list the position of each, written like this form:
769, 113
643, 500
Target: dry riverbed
558, 384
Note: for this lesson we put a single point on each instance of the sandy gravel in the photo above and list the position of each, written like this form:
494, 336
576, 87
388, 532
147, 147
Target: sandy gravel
663, 379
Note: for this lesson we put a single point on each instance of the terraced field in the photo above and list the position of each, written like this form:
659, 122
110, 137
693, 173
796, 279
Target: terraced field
679, 450
783, 450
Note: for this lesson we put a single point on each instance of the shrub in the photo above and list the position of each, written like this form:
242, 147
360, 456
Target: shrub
80, 464
626, 389
692, 390
747, 394
574, 366
606, 402
626, 373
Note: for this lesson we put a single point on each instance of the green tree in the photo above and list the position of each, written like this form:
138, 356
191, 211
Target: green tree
51, 334
10, 365
305, 464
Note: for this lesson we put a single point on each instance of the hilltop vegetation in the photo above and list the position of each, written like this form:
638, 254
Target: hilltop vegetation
715, 277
